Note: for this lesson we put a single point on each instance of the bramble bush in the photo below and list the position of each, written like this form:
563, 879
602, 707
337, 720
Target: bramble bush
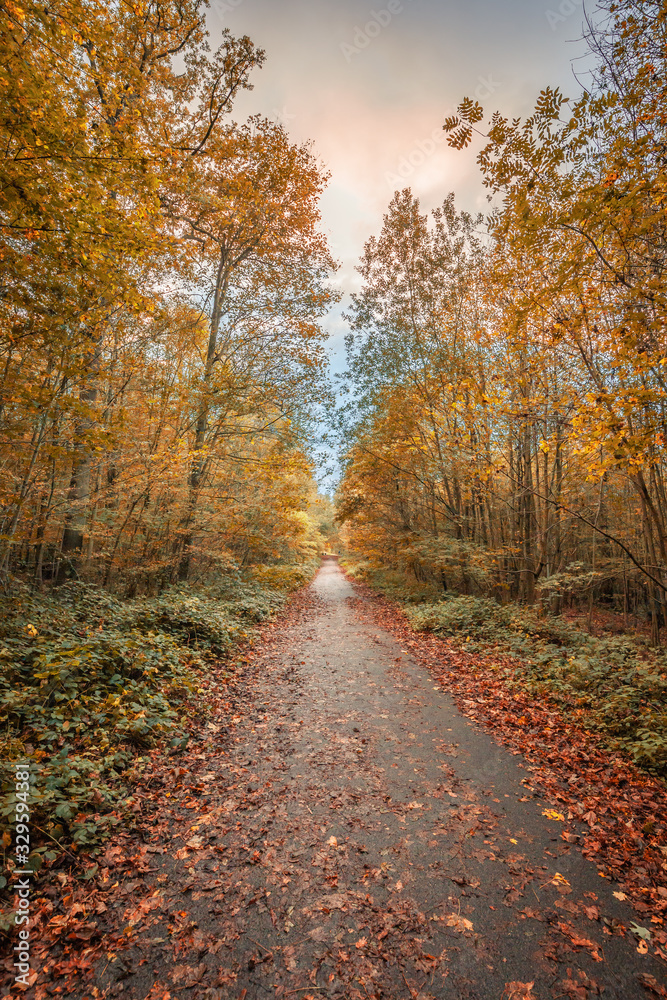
392, 582
89, 682
617, 685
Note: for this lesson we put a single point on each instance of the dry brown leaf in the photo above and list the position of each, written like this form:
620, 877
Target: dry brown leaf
519, 991
458, 923
651, 984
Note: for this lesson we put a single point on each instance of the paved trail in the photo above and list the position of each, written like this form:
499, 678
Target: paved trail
357, 837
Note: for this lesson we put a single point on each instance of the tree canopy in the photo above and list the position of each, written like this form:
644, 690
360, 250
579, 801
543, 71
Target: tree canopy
508, 374
164, 281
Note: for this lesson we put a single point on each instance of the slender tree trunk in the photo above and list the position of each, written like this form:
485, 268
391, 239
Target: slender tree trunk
78, 497
197, 466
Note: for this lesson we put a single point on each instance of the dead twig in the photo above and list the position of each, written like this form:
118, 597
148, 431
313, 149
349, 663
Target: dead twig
413, 993
306, 989
267, 950
61, 846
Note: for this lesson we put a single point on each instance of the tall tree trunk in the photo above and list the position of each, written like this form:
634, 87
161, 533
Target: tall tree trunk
527, 515
78, 497
557, 599
197, 467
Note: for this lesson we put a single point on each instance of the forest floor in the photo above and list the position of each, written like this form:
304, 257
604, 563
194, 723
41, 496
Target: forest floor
349, 833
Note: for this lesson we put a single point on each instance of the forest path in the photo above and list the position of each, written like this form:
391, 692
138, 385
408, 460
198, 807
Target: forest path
355, 836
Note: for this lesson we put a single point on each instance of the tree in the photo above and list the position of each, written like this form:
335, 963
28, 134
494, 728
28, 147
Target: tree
144, 366
249, 207
559, 420
95, 116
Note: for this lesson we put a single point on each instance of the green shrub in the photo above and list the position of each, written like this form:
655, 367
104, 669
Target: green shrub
468, 617
617, 685
285, 578
394, 583
88, 682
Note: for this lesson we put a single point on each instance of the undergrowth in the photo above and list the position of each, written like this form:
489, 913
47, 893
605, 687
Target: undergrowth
616, 685
392, 583
89, 683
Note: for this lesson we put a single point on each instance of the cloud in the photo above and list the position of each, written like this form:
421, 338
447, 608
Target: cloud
372, 114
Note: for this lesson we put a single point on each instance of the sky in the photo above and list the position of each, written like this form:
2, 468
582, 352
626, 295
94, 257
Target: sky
370, 84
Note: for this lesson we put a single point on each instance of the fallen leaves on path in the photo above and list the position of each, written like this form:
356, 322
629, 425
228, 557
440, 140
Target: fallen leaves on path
616, 814
651, 984
519, 991
270, 858
69, 937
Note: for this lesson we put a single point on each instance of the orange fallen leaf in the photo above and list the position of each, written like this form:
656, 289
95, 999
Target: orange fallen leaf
458, 923
651, 984
519, 991
558, 879
581, 942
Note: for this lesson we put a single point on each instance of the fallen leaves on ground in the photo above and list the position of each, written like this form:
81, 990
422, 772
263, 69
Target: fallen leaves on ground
651, 984
616, 813
519, 991
228, 842
458, 923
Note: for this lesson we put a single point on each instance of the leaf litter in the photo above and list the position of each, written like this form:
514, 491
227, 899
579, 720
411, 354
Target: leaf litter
281, 856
